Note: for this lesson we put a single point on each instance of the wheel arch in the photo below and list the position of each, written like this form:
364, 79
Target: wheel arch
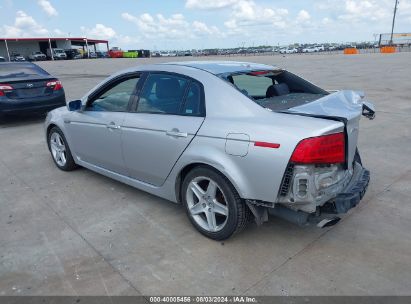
189, 167
49, 127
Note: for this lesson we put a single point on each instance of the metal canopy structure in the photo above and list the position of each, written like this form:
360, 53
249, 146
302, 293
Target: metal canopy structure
83, 42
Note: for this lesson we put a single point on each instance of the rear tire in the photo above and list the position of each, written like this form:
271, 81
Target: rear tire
213, 205
60, 151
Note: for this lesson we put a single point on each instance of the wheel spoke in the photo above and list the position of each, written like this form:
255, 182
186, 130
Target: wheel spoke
211, 189
60, 141
63, 157
54, 145
220, 208
197, 208
195, 187
211, 220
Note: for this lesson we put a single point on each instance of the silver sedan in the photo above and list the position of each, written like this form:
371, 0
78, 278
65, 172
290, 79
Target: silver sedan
232, 141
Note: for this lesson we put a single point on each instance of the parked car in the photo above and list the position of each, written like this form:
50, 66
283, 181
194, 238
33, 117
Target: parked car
25, 87
310, 49
37, 56
320, 48
16, 57
58, 54
90, 55
73, 54
101, 54
228, 140
289, 51
2, 59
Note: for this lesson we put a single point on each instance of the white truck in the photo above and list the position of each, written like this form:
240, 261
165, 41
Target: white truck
58, 54
37, 56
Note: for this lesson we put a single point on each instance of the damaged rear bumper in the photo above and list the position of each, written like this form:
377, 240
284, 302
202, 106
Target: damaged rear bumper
350, 196
325, 214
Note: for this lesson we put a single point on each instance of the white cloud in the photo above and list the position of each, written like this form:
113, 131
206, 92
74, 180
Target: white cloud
99, 31
24, 26
363, 10
247, 16
303, 16
47, 8
173, 27
209, 4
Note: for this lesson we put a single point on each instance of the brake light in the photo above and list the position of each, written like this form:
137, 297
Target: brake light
327, 149
5, 87
55, 84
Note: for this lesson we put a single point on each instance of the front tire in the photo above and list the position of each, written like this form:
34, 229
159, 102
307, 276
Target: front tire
60, 150
212, 204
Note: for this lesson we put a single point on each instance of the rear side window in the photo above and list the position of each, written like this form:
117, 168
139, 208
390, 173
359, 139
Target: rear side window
252, 85
163, 93
193, 104
20, 70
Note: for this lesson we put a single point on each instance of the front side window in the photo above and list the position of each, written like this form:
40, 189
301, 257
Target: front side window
116, 98
162, 93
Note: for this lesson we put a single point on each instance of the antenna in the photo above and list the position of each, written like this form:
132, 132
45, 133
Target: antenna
393, 20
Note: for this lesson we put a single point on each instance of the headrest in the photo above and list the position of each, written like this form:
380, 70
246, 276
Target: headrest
277, 90
167, 88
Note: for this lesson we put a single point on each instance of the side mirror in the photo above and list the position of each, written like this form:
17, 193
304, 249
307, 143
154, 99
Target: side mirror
74, 105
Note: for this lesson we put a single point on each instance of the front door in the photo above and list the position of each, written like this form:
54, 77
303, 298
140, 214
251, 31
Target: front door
169, 113
95, 133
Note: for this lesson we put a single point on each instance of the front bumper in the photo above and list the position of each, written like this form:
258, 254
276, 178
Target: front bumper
30, 105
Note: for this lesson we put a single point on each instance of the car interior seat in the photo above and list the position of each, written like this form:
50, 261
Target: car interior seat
277, 90
168, 93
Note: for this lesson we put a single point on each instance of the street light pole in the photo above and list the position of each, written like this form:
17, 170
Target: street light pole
393, 20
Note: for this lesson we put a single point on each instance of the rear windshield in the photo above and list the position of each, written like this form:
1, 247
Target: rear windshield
16, 70
275, 90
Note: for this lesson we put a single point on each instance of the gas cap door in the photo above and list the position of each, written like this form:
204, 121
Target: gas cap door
237, 144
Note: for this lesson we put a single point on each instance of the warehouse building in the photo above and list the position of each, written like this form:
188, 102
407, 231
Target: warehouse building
25, 46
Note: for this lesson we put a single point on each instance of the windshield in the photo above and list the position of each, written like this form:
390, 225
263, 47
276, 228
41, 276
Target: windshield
15, 70
58, 51
276, 90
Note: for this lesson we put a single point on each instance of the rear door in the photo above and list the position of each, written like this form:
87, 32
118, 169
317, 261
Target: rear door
96, 132
169, 112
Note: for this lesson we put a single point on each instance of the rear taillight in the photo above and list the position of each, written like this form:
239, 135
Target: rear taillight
4, 88
55, 84
327, 149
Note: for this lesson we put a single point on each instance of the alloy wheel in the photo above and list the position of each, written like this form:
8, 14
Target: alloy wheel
58, 149
207, 204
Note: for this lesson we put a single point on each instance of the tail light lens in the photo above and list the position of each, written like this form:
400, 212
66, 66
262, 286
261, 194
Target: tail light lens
55, 84
327, 149
4, 88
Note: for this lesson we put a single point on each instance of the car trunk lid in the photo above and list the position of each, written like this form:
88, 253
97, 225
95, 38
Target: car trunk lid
24, 88
345, 106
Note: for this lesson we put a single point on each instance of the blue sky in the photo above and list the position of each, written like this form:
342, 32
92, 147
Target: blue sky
187, 24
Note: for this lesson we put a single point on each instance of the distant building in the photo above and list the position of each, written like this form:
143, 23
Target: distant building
25, 46
399, 39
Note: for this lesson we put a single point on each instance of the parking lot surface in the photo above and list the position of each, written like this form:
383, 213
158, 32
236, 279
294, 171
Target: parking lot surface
80, 233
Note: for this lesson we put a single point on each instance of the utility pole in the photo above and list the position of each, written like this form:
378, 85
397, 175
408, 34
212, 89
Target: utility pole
393, 20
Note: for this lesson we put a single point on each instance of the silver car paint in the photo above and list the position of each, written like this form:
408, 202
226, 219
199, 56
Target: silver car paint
256, 175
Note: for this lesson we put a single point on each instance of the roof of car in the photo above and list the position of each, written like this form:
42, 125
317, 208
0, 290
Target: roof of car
223, 67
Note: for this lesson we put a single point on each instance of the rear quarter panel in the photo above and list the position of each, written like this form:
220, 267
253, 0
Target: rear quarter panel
258, 173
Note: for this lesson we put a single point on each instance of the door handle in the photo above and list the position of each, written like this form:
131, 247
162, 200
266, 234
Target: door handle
176, 133
112, 126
